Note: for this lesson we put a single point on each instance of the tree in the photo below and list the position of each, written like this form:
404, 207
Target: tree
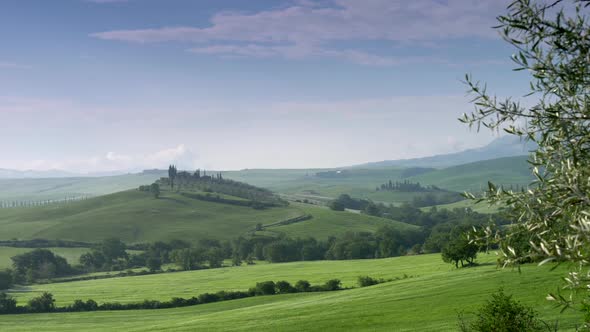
459, 249
502, 313
155, 190
5, 279
7, 304
187, 259
336, 205
42, 303
112, 249
172, 174
284, 287
154, 263
554, 48
302, 286
265, 288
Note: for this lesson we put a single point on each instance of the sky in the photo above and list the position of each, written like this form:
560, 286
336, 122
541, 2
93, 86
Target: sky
105, 85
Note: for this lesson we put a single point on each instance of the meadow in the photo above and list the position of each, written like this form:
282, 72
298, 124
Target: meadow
427, 300
135, 216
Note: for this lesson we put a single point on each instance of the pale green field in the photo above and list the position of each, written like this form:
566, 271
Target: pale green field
482, 207
427, 301
135, 216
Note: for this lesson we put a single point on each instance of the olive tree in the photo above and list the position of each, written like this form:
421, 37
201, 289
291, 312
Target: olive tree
552, 41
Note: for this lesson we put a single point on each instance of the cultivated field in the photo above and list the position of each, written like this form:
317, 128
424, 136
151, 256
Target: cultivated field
428, 300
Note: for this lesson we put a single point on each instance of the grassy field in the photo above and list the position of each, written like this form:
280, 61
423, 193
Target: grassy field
482, 207
71, 254
428, 300
475, 176
361, 183
135, 216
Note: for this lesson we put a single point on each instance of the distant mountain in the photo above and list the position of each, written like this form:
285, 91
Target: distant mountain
17, 174
52, 173
507, 146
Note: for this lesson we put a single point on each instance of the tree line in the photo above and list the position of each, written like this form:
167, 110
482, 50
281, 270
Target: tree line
200, 180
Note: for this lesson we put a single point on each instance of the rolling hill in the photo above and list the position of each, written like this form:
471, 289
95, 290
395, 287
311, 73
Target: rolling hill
135, 216
429, 299
475, 176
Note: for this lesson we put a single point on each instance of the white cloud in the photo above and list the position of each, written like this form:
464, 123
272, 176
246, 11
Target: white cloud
113, 161
309, 29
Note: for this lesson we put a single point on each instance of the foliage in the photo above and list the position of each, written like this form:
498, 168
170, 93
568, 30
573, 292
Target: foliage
553, 46
46, 303
42, 303
459, 249
39, 264
501, 313
365, 281
6, 279
106, 255
7, 304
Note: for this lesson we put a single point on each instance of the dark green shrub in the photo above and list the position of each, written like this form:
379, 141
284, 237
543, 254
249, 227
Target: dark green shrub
265, 288
43, 303
284, 287
7, 304
302, 286
365, 281
501, 313
332, 285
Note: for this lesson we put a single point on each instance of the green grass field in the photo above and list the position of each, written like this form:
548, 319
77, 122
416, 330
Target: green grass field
475, 176
135, 216
429, 300
361, 182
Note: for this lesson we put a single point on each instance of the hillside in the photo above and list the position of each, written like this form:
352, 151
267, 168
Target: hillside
397, 305
324, 185
475, 176
507, 146
135, 216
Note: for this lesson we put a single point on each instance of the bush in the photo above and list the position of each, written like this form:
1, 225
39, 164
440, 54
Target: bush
365, 281
503, 314
43, 303
5, 279
7, 304
284, 287
332, 285
302, 286
265, 288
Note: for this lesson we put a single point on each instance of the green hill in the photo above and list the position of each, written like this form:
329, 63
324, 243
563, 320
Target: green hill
475, 176
428, 300
324, 185
135, 216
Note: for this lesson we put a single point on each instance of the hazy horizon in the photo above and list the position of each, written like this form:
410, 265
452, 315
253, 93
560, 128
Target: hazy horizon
115, 85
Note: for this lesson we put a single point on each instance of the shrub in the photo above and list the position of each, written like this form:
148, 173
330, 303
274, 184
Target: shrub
365, 281
284, 287
302, 286
7, 304
5, 279
43, 303
502, 313
265, 288
332, 285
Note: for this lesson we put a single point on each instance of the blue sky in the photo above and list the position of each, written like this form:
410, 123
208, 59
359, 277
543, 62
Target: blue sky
100, 85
